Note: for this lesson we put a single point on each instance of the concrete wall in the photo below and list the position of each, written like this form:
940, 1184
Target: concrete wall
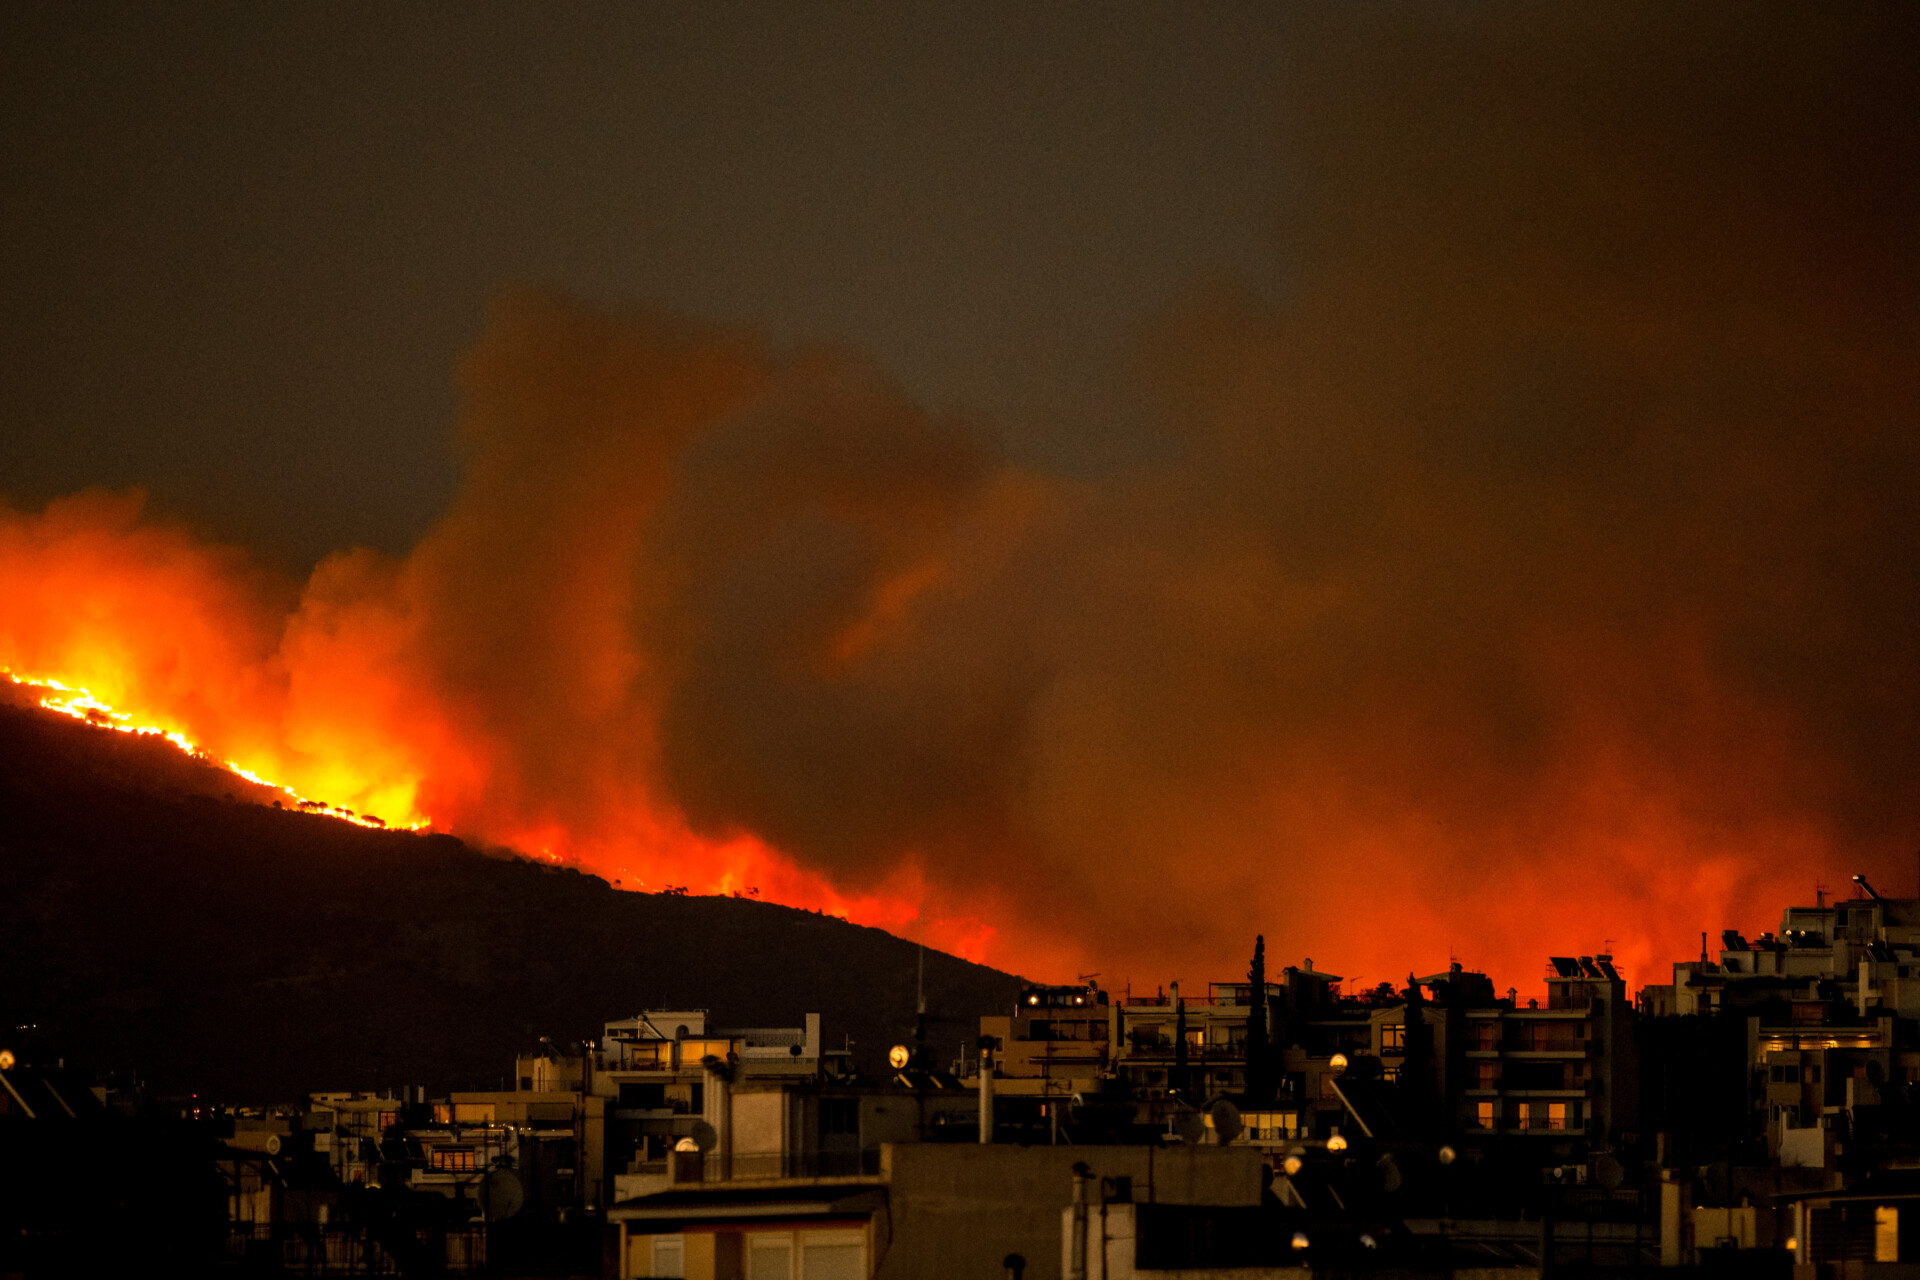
960, 1209
759, 1130
1115, 1230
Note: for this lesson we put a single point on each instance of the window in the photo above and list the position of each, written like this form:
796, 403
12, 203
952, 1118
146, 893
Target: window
1486, 1035
1556, 1115
806, 1255
1886, 1233
388, 1119
669, 1257
1483, 1114
1813, 1073
1783, 1074
643, 1096
1393, 1036
1272, 1126
1486, 1075
840, 1116
649, 1055
526, 1084
831, 1261
453, 1159
770, 1257
1550, 1036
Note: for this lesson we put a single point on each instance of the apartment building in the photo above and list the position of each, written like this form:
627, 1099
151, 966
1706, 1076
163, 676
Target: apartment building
1828, 1004
1566, 1072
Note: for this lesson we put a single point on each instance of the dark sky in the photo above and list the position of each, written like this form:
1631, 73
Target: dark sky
244, 245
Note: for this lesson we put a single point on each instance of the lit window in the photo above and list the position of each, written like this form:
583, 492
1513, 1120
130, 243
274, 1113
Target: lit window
1556, 1115
1483, 1114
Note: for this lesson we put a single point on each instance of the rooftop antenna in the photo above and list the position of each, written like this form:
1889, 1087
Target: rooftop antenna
920, 1010
1819, 893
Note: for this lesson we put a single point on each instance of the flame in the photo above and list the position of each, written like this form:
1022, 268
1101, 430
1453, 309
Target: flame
136, 626
80, 703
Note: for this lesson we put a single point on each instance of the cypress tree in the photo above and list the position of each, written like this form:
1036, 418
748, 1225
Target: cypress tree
1259, 1090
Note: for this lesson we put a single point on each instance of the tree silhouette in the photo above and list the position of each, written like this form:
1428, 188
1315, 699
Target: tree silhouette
1260, 1082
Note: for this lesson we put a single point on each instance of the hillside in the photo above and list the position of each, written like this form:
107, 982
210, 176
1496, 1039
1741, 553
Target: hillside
153, 920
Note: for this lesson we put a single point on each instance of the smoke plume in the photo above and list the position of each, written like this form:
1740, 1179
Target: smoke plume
1533, 576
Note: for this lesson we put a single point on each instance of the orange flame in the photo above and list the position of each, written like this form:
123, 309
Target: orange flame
72, 700
137, 627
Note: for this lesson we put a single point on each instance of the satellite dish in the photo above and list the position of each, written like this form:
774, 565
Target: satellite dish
500, 1195
704, 1136
899, 1056
273, 1144
1388, 1173
1608, 1172
1226, 1120
1189, 1126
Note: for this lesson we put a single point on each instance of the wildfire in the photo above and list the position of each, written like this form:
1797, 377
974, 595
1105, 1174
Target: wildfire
81, 704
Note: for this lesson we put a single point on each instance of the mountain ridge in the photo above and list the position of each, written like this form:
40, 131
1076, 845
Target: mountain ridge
157, 920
